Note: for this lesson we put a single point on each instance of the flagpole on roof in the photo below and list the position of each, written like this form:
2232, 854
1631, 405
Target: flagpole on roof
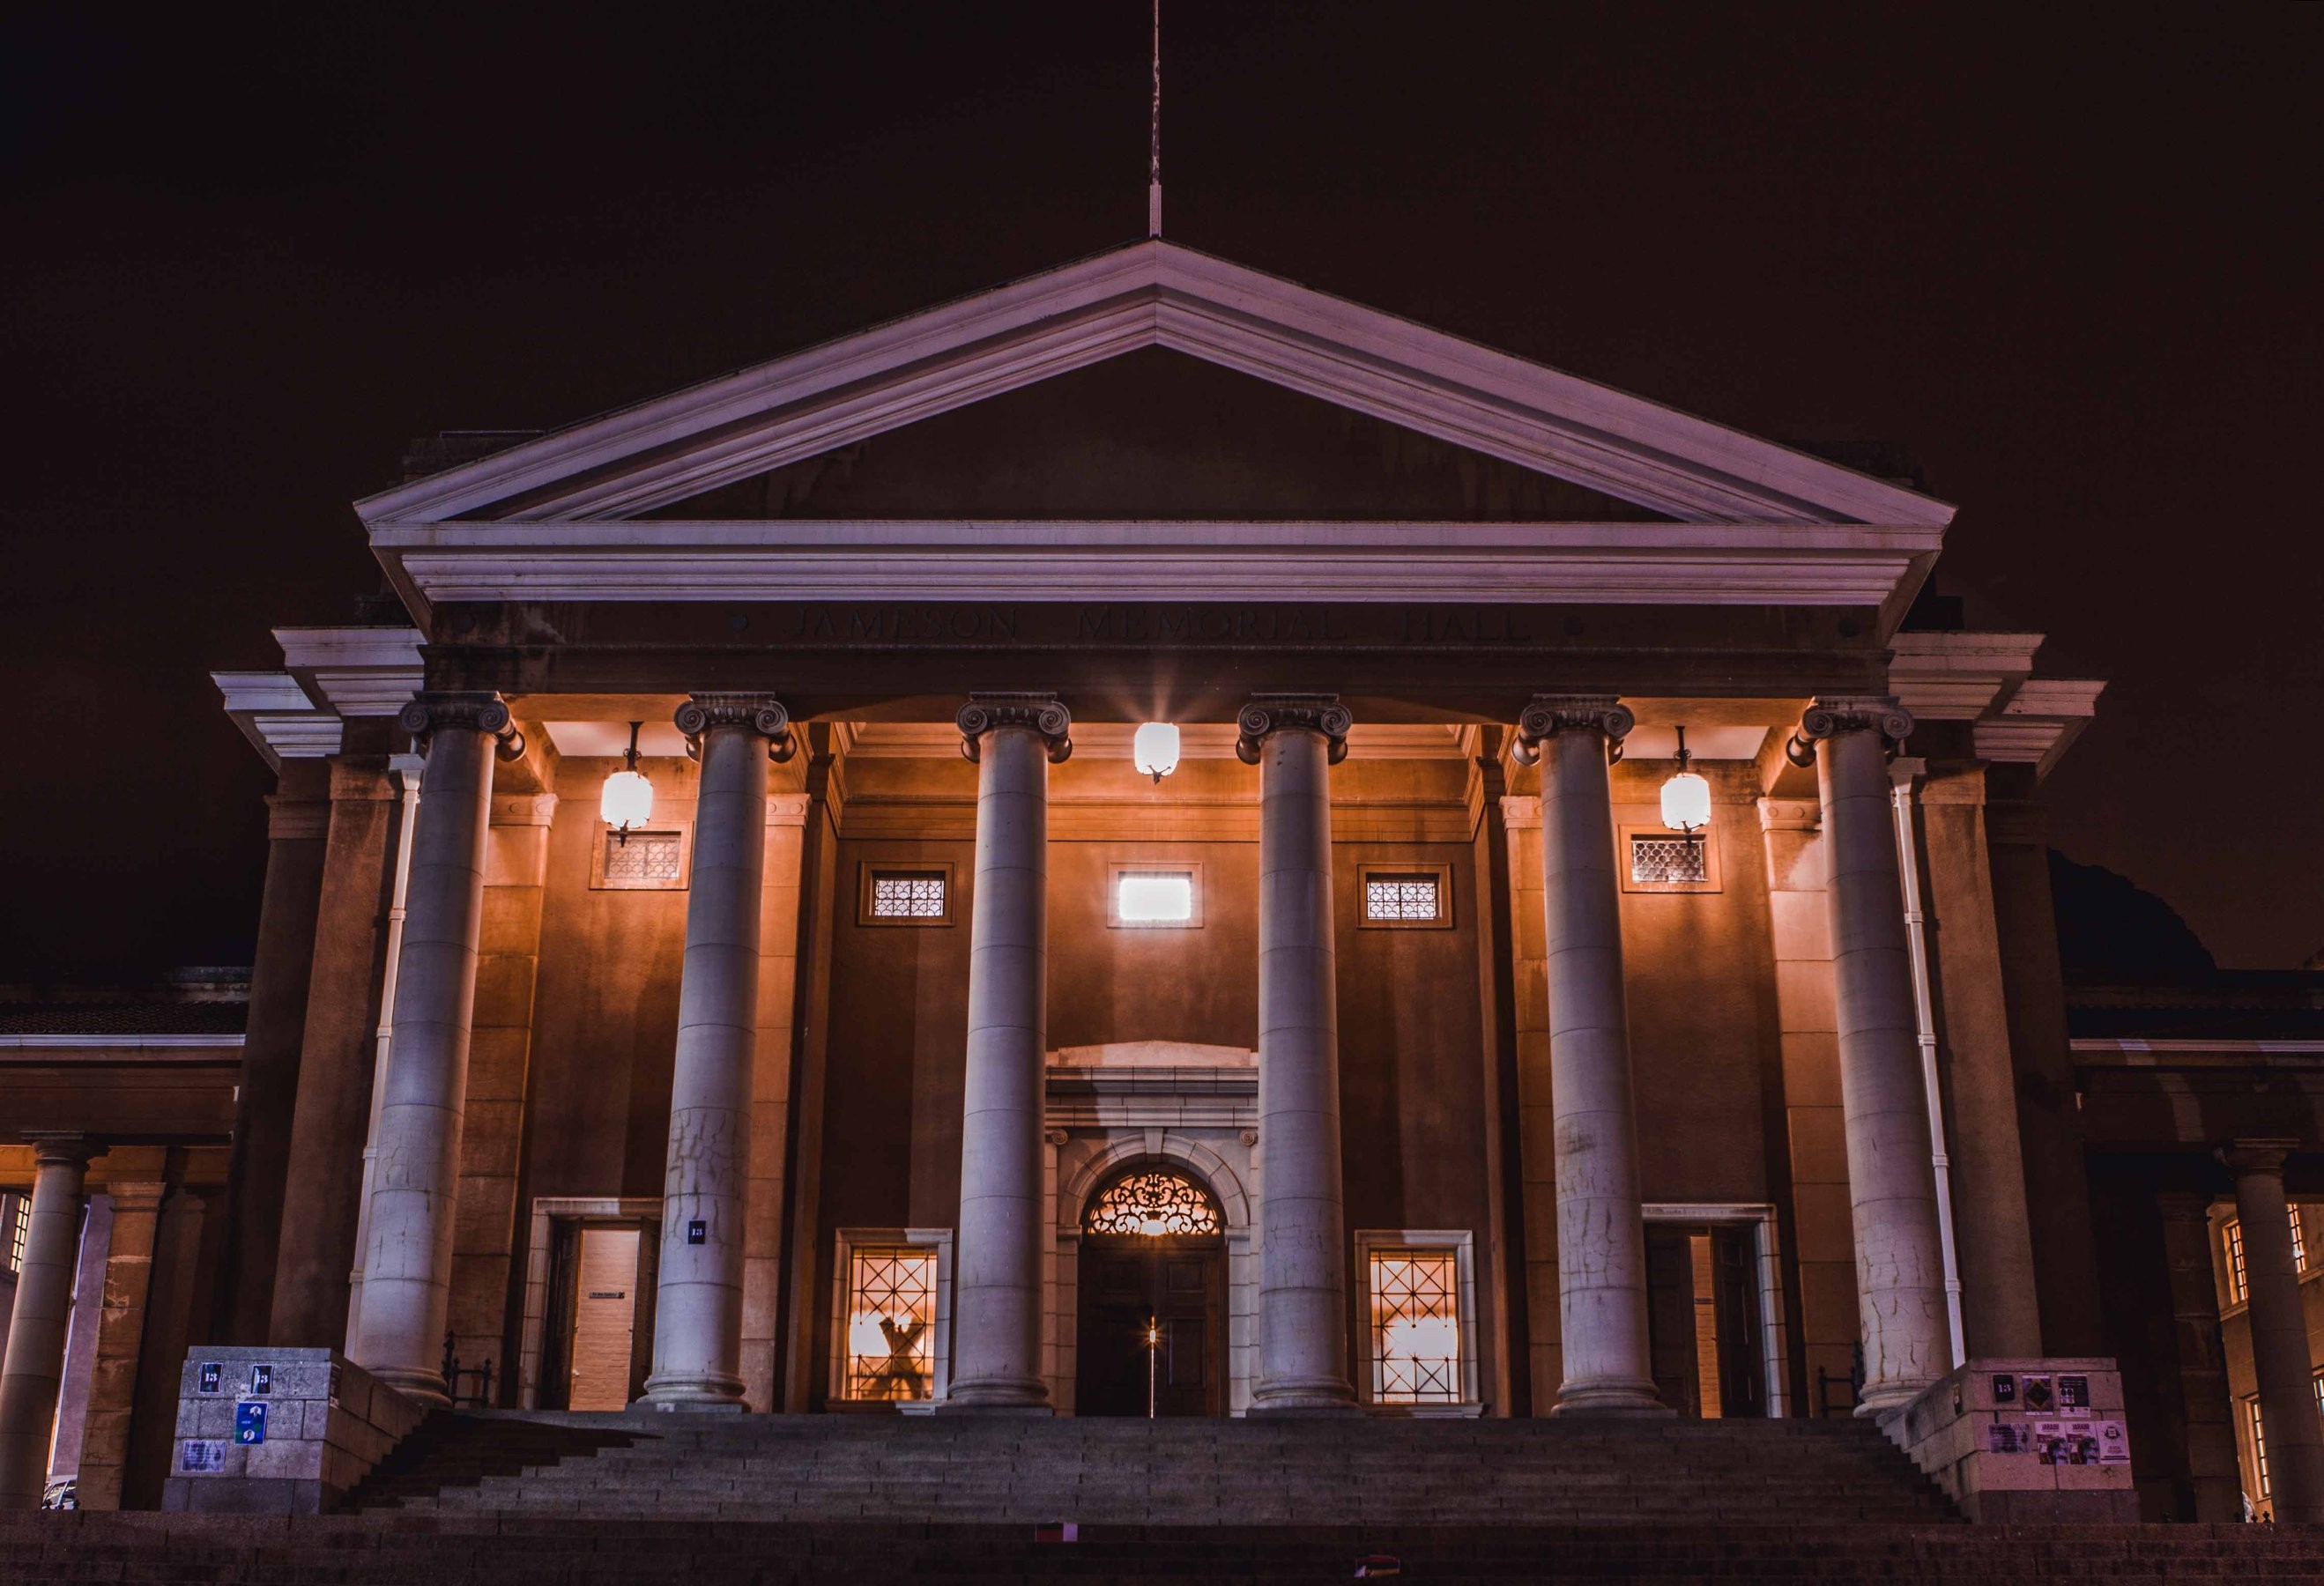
1154, 137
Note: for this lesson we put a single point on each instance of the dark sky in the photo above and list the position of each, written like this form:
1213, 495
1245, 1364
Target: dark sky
2063, 255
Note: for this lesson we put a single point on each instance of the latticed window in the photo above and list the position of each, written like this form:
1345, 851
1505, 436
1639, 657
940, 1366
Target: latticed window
903, 895
1416, 1327
18, 1213
1400, 898
2238, 1288
2298, 1243
1656, 860
892, 1312
1155, 1202
646, 859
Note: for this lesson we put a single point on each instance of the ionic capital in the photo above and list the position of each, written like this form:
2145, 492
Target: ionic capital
1833, 715
1276, 712
475, 711
762, 713
1045, 714
1552, 714
2248, 1157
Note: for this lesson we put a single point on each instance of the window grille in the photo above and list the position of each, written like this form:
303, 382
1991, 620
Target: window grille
1401, 897
2259, 1444
2298, 1243
18, 1212
1416, 1327
1155, 1203
901, 896
647, 860
2238, 1290
892, 1310
1668, 861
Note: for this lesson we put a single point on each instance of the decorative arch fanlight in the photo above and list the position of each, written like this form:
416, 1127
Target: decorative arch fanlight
1155, 1202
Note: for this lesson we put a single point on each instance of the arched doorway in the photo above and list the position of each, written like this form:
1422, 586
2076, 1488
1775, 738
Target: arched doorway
1149, 1337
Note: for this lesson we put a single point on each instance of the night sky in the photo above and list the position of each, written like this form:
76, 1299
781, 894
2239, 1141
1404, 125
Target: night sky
2064, 257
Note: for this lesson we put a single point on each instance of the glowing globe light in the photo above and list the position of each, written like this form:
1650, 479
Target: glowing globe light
1686, 797
627, 802
1155, 749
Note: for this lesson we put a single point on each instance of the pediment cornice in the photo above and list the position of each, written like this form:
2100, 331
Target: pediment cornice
1151, 294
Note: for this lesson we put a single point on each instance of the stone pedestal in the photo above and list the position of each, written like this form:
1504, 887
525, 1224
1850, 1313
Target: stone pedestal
997, 1299
408, 1256
698, 1297
1900, 1288
1601, 1252
2279, 1334
34, 1369
1302, 1262
2007, 1444
327, 1424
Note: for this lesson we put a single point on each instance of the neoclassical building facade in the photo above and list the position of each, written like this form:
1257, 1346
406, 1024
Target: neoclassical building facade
1153, 841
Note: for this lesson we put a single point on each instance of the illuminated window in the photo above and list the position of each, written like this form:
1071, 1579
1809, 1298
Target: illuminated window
1416, 1327
905, 895
18, 1213
1156, 1202
2238, 1290
2259, 1443
2298, 1243
1404, 896
1155, 895
645, 860
891, 1320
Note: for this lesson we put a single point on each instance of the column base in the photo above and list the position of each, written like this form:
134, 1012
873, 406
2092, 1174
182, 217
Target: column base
1007, 1398
694, 1392
420, 1385
1635, 1400
1889, 1397
1319, 1397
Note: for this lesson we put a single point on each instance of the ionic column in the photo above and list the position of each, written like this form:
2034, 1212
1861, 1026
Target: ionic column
1013, 738
34, 1367
407, 1251
697, 1349
2279, 1332
1601, 1240
1303, 1265
1900, 1287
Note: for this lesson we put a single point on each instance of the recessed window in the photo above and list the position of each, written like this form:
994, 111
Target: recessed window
1155, 896
1420, 1293
1664, 859
906, 895
639, 862
2231, 1235
1404, 896
1416, 1327
892, 1312
2259, 1444
1654, 859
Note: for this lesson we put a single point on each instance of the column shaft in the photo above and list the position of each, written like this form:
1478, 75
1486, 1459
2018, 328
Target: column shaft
1303, 1276
1602, 1247
2279, 1336
407, 1255
997, 1300
698, 1297
33, 1369
1892, 1191
121, 1332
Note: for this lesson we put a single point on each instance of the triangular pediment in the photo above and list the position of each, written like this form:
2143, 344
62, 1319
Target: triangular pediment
1155, 435
695, 442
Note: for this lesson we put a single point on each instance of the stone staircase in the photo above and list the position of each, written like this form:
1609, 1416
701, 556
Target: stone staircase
505, 1500
809, 1469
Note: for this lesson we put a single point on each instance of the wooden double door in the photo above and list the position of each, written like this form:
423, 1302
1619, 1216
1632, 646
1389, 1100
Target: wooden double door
1151, 1326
